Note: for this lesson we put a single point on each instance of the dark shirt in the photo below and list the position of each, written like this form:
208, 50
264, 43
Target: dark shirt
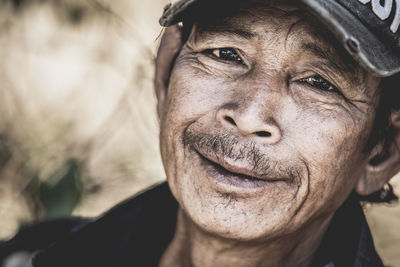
137, 232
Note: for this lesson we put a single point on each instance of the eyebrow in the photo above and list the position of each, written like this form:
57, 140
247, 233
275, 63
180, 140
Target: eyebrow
317, 51
228, 30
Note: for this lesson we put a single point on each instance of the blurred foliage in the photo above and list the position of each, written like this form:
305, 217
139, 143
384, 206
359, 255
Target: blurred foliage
59, 194
5, 153
78, 128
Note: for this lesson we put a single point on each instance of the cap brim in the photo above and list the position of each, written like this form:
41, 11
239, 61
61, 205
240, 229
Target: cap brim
358, 40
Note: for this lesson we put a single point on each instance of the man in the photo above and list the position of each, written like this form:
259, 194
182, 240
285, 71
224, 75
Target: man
270, 134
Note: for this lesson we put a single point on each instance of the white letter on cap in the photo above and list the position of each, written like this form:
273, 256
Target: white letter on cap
383, 12
396, 20
364, 1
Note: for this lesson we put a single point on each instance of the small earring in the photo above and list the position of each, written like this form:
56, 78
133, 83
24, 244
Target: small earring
384, 195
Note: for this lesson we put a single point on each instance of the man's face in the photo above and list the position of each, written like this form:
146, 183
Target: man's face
264, 124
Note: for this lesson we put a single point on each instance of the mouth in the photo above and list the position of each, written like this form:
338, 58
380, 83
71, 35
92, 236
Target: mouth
224, 173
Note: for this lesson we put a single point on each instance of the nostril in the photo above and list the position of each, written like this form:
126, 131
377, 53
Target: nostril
263, 134
230, 120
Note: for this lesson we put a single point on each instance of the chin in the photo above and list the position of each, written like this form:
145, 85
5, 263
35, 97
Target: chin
234, 220
225, 213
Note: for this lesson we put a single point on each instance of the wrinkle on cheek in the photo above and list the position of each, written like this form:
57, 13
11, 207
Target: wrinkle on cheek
195, 65
208, 68
343, 116
191, 98
332, 134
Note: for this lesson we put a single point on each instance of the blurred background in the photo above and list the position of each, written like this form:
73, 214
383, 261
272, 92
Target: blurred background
78, 125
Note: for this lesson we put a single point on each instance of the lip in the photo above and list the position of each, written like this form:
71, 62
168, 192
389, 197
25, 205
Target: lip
226, 173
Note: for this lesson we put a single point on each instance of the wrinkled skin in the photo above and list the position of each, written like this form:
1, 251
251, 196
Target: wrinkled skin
248, 100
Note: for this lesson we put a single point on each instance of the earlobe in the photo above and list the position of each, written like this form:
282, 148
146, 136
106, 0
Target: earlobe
170, 45
379, 172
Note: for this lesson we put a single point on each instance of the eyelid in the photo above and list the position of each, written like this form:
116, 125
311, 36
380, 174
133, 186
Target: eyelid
336, 88
318, 68
210, 51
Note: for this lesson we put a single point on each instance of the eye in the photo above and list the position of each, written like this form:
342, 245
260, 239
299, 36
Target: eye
226, 54
320, 83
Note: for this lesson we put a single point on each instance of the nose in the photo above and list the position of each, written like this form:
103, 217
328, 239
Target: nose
250, 122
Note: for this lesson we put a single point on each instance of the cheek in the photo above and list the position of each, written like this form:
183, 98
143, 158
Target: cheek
331, 141
190, 97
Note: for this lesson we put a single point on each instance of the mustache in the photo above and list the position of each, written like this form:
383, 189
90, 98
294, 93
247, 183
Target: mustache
226, 145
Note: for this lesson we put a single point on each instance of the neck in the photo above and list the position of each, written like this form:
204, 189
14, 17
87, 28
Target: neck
193, 247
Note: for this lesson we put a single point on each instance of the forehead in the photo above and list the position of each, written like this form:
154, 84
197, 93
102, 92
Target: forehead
262, 20
245, 13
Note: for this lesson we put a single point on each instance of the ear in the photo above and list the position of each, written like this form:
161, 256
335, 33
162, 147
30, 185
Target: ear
378, 174
170, 45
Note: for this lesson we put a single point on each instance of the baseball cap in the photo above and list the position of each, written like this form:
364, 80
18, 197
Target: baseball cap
368, 29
